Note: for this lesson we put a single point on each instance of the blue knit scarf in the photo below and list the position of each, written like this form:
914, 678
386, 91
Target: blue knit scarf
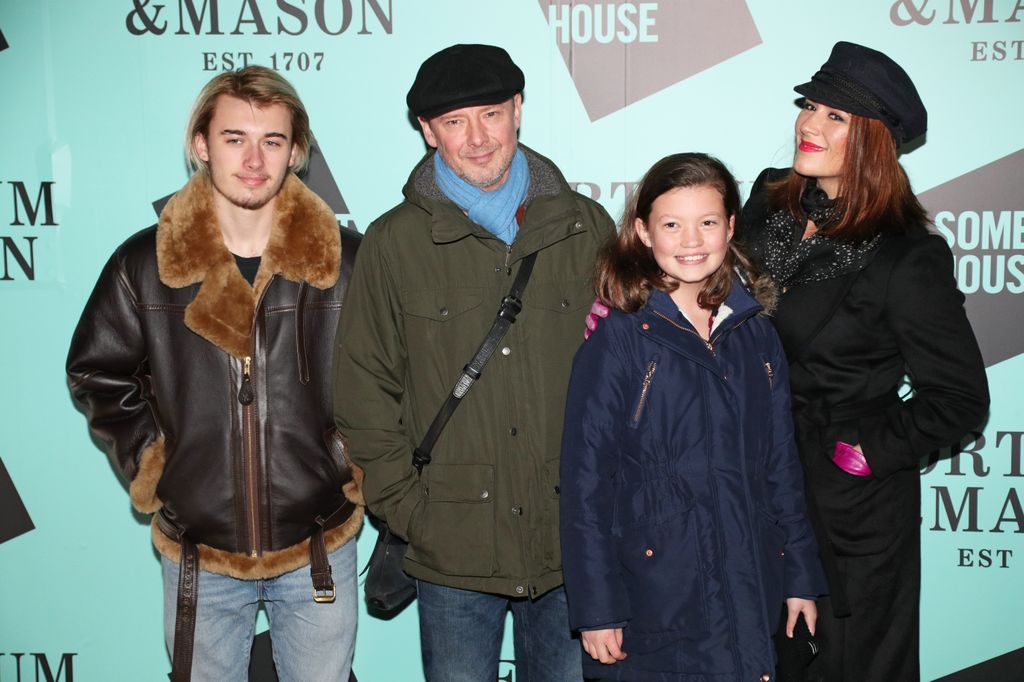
495, 211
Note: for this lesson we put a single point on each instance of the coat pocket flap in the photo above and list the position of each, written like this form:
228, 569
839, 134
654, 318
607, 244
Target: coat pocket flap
560, 297
442, 305
460, 483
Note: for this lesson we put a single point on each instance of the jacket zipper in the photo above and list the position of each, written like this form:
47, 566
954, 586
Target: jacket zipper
771, 375
250, 459
648, 375
245, 397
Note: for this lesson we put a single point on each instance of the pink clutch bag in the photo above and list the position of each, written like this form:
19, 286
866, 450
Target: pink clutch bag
849, 460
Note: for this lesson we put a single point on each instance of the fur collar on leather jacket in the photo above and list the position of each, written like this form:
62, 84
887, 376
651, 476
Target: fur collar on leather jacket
190, 249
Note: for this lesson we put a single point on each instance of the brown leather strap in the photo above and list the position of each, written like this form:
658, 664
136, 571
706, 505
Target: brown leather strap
185, 618
319, 566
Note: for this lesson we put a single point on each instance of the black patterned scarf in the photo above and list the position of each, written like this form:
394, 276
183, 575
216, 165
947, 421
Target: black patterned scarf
778, 248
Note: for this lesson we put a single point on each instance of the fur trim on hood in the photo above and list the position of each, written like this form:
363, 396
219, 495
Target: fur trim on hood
304, 245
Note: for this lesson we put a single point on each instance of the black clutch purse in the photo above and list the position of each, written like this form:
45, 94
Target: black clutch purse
795, 653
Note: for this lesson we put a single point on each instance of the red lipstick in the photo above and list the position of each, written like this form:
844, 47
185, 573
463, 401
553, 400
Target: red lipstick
808, 147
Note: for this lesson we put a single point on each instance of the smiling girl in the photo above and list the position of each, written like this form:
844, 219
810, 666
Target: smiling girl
682, 509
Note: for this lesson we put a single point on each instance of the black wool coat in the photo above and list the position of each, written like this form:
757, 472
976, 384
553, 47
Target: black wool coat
850, 342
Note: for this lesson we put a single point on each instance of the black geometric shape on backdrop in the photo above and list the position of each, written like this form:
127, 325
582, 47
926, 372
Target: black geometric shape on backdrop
14, 518
1009, 666
261, 663
3, 42
158, 205
318, 177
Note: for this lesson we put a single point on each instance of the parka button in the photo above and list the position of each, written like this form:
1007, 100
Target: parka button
484, 494
565, 303
506, 351
645, 326
508, 271
444, 312
649, 552
519, 589
512, 431
517, 510
766, 678
578, 226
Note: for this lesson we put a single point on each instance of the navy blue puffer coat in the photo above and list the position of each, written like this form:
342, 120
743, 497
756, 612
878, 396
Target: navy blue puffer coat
682, 504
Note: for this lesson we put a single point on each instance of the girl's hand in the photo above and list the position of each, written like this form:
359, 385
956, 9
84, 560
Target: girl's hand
606, 645
796, 606
597, 311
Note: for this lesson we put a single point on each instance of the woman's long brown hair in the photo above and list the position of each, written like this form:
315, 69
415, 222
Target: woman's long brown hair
874, 192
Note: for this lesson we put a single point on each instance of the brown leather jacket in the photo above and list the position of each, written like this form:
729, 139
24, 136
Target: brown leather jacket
213, 397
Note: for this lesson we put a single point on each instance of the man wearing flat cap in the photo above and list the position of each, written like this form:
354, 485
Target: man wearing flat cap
482, 516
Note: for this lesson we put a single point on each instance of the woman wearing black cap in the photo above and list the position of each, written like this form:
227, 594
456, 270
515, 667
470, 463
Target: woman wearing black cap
867, 296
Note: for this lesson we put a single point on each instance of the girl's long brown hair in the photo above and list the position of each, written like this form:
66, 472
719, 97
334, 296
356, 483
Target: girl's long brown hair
874, 192
626, 268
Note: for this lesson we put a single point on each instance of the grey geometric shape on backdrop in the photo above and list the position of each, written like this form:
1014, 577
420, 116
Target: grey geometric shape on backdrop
14, 518
692, 36
3, 42
993, 187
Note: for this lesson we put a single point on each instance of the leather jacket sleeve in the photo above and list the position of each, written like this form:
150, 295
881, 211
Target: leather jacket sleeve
108, 373
369, 371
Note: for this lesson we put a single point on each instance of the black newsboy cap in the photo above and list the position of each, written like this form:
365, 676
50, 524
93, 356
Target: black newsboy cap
463, 76
868, 83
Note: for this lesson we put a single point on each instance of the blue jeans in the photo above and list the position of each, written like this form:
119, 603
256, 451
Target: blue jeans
312, 642
461, 632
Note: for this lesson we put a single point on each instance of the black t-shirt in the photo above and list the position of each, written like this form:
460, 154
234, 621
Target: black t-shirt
248, 267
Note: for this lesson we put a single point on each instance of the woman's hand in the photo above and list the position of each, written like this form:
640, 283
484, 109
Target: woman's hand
606, 645
597, 311
795, 606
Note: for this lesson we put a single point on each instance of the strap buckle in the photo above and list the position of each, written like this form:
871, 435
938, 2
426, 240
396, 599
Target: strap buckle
510, 307
325, 596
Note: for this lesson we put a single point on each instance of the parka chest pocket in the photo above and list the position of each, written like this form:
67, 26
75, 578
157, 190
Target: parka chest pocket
442, 323
441, 305
453, 531
570, 298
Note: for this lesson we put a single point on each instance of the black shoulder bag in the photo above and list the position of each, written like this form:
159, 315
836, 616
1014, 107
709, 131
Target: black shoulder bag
388, 588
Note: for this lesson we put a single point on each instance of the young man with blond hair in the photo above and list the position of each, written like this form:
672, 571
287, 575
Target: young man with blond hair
202, 361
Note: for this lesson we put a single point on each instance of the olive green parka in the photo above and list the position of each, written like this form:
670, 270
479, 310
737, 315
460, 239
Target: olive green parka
427, 284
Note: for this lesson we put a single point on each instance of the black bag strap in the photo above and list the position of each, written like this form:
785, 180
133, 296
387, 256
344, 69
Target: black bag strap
510, 306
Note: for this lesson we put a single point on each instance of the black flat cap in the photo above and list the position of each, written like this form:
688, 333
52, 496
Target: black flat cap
868, 83
463, 76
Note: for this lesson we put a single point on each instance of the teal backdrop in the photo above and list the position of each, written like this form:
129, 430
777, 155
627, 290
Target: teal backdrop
95, 95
